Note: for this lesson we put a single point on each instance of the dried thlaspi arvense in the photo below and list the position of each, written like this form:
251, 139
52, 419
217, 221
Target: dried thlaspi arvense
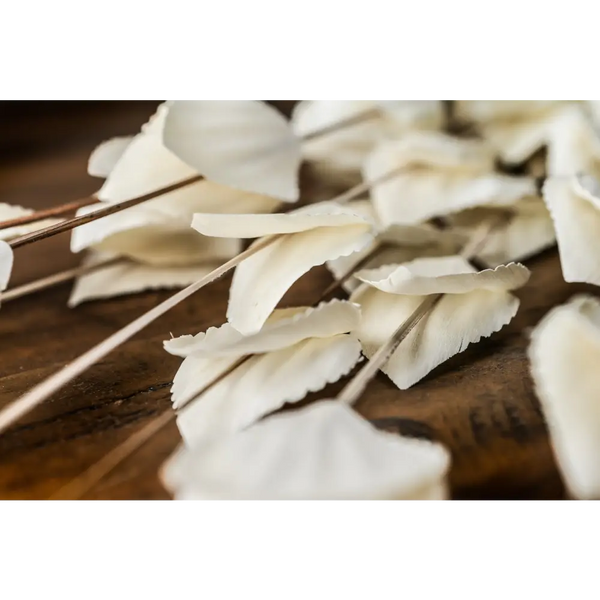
515, 129
325, 451
525, 229
395, 244
247, 145
443, 175
574, 203
565, 354
298, 350
141, 164
343, 152
474, 305
160, 252
309, 236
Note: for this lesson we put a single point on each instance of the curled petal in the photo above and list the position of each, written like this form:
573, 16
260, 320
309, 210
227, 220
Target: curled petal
565, 353
324, 451
246, 145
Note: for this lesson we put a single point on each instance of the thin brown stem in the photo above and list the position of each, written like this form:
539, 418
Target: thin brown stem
49, 213
83, 483
352, 392
56, 279
46, 388
70, 224
69, 207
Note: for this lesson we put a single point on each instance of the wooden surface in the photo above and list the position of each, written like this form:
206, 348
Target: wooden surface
480, 403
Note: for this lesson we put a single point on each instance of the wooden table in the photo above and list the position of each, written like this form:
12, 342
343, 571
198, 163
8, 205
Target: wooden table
480, 403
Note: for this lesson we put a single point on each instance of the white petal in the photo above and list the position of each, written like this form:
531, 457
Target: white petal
478, 306
565, 354
529, 231
407, 115
574, 145
316, 234
146, 166
443, 275
324, 451
283, 328
323, 214
105, 156
577, 222
13, 211
444, 175
345, 149
396, 245
6, 264
482, 111
150, 237
131, 277
264, 384
246, 145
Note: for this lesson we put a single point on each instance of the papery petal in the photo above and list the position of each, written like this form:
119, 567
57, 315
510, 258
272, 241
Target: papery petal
264, 384
345, 149
105, 157
528, 231
483, 111
324, 451
6, 264
246, 145
285, 327
574, 145
145, 166
576, 217
478, 307
130, 277
565, 354
396, 245
444, 175
314, 235
323, 214
443, 275
148, 236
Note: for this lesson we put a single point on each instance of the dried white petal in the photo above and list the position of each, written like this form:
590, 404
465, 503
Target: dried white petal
565, 354
476, 305
574, 144
346, 149
515, 129
150, 237
528, 231
261, 385
484, 111
315, 234
105, 156
246, 145
284, 327
575, 209
324, 451
395, 245
13, 211
145, 165
443, 175
131, 277
6, 264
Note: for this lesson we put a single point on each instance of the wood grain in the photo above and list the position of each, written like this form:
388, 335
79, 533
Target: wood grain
480, 404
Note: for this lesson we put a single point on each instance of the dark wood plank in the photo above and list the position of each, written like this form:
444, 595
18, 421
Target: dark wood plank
480, 403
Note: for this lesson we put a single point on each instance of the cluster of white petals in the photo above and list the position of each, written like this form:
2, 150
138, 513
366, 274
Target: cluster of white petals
429, 192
